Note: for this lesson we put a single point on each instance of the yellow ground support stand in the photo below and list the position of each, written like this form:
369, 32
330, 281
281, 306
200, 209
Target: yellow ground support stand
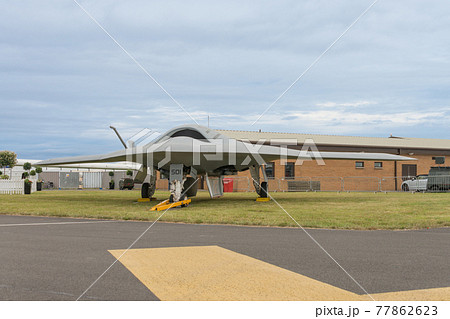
143, 200
165, 204
262, 199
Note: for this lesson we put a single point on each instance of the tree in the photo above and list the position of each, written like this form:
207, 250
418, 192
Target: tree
27, 166
38, 169
33, 173
129, 172
111, 174
7, 158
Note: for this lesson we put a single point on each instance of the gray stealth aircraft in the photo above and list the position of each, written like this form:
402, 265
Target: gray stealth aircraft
188, 151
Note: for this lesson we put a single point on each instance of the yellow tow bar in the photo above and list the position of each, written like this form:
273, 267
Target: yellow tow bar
166, 205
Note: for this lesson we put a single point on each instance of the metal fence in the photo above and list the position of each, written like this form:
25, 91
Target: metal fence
440, 183
69, 180
360, 184
241, 184
51, 179
72, 180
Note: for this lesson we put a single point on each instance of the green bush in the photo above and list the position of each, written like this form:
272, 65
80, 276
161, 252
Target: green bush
33, 173
38, 169
111, 174
27, 166
25, 174
4, 177
129, 172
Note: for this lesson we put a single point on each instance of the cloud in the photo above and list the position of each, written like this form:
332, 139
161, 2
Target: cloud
348, 104
343, 121
346, 118
63, 81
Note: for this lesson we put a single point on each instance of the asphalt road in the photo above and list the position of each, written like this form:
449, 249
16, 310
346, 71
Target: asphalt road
59, 261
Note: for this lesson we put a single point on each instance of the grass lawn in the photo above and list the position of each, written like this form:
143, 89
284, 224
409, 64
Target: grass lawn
317, 210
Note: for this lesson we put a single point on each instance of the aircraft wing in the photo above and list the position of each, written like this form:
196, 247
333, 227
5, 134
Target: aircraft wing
119, 156
184, 152
108, 166
363, 156
270, 153
69, 164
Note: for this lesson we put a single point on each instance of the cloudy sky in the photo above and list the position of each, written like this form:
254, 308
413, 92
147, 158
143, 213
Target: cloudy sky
63, 80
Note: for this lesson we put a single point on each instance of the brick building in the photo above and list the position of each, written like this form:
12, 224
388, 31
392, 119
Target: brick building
358, 175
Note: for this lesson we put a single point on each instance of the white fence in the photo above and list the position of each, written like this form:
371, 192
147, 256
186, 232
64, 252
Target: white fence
11, 187
15, 187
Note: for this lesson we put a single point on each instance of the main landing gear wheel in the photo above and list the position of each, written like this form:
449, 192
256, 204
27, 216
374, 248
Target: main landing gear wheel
145, 190
263, 191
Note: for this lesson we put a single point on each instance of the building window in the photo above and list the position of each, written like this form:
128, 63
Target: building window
270, 170
359, 164
289, 170
378, 164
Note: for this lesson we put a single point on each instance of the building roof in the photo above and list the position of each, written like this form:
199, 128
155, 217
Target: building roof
337, 140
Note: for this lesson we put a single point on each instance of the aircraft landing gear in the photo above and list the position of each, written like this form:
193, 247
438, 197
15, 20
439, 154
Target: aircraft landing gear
263, 194
260, 187
147, 189
176, 189
177, 198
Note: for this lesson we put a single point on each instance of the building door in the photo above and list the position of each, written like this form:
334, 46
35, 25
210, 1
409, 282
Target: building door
409, 170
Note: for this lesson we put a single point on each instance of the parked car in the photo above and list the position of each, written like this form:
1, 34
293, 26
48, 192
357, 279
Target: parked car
439, 179
416, 184
48, 185
126, 183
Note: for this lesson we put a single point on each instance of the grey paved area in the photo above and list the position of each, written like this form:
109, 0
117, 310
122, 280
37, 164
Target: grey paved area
59, 261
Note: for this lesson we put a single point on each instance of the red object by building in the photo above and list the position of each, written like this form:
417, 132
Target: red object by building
227, 185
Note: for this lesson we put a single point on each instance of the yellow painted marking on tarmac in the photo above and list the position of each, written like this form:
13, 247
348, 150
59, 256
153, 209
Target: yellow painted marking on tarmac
215, 273
433, 294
